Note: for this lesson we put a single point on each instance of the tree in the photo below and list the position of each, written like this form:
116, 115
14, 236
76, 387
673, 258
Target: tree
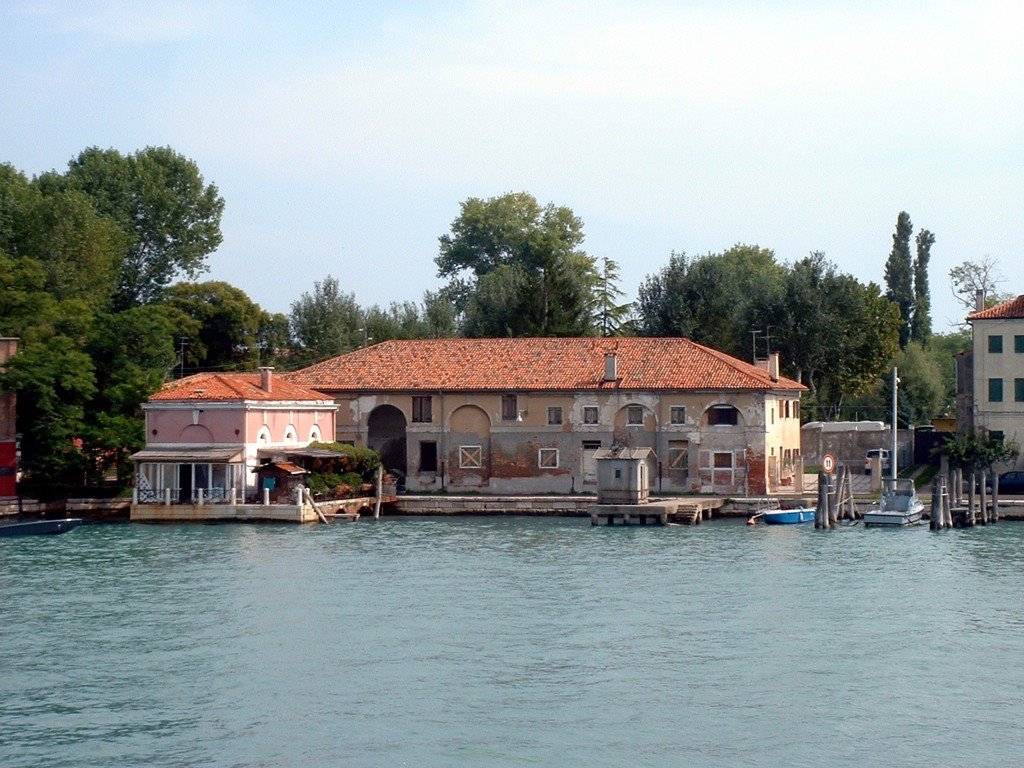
611, 318
227, 329
921, 326
512, 243
972, 280
716, 299
899, 278
169, 216
326, 322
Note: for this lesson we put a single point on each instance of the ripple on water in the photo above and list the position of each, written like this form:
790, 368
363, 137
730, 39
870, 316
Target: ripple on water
520, 641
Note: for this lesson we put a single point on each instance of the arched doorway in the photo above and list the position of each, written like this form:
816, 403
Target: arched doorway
469, 457
386, 435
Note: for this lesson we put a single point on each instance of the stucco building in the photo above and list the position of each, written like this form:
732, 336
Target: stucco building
529, 415
205, 434
994, 403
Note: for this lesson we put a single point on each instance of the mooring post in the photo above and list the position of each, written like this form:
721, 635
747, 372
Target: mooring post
937, 521
821, 513
983, 497
995, 497
969, 518
835, 490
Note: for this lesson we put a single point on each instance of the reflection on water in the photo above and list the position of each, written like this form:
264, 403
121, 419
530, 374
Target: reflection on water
440, 642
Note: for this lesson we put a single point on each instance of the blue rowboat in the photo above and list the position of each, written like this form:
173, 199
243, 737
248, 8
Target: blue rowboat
788, 516
36, 527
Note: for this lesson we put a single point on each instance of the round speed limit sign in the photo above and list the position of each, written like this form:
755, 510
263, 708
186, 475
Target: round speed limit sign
828, 463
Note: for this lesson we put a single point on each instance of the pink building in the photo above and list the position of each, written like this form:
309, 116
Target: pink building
205, 434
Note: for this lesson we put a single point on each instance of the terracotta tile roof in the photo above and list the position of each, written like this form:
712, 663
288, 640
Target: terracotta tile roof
205, 387
1008, 310
510, 365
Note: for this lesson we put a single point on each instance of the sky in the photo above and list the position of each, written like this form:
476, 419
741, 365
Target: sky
344, 136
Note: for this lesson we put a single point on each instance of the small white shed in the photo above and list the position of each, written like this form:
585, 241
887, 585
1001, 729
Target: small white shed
624, 475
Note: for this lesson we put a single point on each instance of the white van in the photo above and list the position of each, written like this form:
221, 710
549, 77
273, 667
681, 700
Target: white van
876, 453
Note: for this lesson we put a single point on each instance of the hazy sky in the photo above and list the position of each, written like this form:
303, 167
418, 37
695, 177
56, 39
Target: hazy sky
343, 136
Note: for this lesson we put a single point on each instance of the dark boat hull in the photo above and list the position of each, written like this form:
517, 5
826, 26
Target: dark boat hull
38, 527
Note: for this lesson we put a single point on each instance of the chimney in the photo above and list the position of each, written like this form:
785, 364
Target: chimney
266, 380
979, 300
610, 367
770, 366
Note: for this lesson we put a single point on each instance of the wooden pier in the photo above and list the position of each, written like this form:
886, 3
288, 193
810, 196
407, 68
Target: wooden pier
661, 512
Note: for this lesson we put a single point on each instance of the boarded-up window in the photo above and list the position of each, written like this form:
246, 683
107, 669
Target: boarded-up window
554, 414
509, 408
471, 457
547, 458
590, 414
635, 415
678, 455
421, 409
677, 414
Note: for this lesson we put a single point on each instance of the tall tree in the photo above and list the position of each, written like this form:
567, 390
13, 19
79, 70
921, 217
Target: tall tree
512, 243
612, 317
921, 327
899, 275
972, 279
326, 322
170, 217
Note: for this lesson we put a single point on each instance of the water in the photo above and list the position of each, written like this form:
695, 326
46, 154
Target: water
511, 642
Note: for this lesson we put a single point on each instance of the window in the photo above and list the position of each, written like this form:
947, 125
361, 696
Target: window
996, 436
1018, 343
723, 461
786, 404
547, 458
554, 414
773, 414
428, 456
678, 455
635, 415
509, 408
471, 456
590, 414
422, 409
723, 414
995, 390
995, 344
796, 409
677, 414
1018, 390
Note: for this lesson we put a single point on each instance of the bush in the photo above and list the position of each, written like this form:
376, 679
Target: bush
350, 458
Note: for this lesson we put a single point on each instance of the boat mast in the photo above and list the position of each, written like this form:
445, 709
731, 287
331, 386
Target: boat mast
892, 453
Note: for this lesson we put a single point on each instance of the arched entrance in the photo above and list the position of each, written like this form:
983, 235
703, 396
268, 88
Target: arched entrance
386, 435
469, 458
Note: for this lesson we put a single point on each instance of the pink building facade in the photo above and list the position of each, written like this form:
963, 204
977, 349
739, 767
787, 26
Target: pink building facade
205, 435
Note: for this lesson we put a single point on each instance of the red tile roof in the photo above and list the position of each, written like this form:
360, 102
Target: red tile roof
509, 365
1008, 310
205, 387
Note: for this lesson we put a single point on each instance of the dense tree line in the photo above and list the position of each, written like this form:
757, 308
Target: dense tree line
99, 268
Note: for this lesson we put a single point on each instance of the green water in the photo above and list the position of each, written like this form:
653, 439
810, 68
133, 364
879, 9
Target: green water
511, 642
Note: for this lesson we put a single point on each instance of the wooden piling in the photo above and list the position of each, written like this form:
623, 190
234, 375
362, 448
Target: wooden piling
983, 494
969, 517
821, 512
833, 499
936, 522
995, 497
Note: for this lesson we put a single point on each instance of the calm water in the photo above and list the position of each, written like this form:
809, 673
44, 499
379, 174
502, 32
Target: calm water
512, 642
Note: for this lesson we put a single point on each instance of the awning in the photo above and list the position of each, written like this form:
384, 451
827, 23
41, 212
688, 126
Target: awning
188, 454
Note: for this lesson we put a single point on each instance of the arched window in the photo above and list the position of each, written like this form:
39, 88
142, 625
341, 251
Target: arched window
314, 434
723, 415
263, 436
289, 435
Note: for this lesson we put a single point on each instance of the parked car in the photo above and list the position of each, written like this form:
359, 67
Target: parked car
871, 455
1011, 483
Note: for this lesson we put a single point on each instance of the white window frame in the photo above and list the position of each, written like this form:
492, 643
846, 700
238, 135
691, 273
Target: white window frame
466, 460
542, 452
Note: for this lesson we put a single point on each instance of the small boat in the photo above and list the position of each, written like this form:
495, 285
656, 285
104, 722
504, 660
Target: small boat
898, 506
788, 516
36, 527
